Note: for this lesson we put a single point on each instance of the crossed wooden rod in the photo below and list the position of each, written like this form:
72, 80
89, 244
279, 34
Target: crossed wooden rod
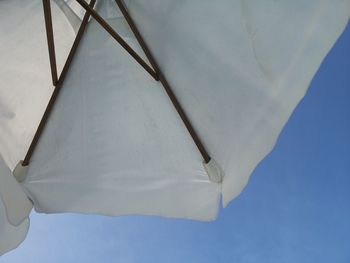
156, 72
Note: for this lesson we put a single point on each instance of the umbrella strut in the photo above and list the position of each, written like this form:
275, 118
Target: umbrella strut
156, 72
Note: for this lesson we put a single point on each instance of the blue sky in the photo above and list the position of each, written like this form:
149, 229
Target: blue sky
296, 207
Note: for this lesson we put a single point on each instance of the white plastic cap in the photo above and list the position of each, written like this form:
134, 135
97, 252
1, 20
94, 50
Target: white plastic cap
213, 170
20, 172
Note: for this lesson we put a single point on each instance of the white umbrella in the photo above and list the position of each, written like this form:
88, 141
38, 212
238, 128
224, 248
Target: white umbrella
179, 113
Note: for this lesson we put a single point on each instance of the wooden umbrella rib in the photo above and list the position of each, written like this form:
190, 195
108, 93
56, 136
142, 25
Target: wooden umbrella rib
61, 79
164, 82
50, 40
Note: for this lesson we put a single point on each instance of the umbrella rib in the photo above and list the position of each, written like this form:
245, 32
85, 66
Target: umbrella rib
164, 82
50, 40
118, 38
59, 82
156, 73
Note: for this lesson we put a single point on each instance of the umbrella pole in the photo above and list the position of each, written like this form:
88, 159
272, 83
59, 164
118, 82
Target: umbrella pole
164, 82
58, 83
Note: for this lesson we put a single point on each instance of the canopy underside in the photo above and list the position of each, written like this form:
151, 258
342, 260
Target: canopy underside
114, 144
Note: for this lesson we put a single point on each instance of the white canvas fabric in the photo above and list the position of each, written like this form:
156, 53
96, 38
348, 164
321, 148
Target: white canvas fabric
11, 236
114, 143
25, 80
14, 210
23, 74
239, 68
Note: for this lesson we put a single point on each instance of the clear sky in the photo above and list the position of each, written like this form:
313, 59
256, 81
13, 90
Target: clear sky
296, 207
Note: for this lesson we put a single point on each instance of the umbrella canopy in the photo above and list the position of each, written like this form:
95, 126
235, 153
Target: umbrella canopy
113, 142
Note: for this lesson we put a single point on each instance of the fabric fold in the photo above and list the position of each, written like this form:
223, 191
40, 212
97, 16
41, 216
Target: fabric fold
15, 208
114, 144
